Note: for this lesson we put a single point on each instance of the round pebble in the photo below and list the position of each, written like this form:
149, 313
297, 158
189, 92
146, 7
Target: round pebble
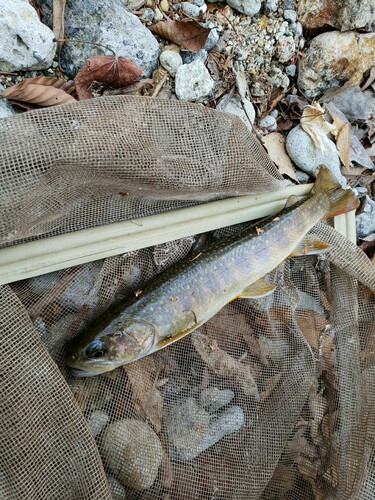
171, 61
248, 7
291, 69
290, 15
268, 122
190, 9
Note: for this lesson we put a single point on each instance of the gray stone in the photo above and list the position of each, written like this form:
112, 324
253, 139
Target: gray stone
184, 418
132, 452
291, 69
270, 6
302, 177
171, 61
268, 122
285, 48
190, 9
290, 15
105, 22
199, 3
213, 37
279, 79
193, 81
148, 14
350, 100
158, 15
234, 106
188, 57
97, 421
26, 43
6, 109
296, 28
83, 288
308, 157
214, 399
334, 58
248, 7
366, 220
118, 491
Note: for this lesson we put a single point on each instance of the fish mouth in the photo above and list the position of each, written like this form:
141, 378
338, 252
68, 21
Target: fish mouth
78, 373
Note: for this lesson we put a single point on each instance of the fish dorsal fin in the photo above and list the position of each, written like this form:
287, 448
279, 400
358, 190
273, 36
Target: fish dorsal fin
260, 288
310, 245
292, 200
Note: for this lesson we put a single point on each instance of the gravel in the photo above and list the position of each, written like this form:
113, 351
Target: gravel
193, 81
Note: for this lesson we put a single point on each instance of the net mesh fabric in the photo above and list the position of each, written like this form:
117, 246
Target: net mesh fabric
272, 398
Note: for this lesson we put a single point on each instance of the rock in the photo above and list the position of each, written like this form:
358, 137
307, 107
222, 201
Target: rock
334, 58
279, 80
268, 122
39, 285
97, 421
158, 15
291, 69
171, 61
105, 22
6, 109
366, 220
188, 57
26, 43
148, 14
200, 3
184, 419
118, 491
214, 399
302, 177
234, 106
290, 15
132, 452
271, 6
285, 48
296, 28
347, 15
90, 394
190, 9
350, 100
248, 7
213, 37
193, 81
83, 288
307, 156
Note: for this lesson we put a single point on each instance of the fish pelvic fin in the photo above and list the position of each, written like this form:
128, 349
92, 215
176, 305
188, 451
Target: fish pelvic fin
310, 245
341, 200
260, 288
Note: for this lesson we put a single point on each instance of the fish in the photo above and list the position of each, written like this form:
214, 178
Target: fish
189, 293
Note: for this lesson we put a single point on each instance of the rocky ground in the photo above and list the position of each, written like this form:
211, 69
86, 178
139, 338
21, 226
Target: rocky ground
290, 55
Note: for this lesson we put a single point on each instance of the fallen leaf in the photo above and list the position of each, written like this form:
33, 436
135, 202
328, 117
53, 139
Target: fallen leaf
115, 71
269, 386
41, 91
314, 124
145, 394
224, 365
275, 145
369, 80
189, 34
311, 325
342, 139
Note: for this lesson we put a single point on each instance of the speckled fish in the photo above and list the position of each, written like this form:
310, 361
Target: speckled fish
188, 294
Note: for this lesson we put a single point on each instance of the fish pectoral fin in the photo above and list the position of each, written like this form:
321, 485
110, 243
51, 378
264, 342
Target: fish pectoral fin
310, 245
170, 340
260, 288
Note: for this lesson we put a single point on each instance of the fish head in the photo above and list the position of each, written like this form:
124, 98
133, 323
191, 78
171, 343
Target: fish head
118, 344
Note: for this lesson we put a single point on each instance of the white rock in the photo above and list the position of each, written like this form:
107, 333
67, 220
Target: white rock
308, 157
5, 109
366, 220
190, 9
248, 7
285, 48
268, 122
171, 61
26, 43
193, 81
234, 106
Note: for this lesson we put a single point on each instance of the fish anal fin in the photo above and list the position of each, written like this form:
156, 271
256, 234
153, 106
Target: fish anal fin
310, 245
260, 288
292, 200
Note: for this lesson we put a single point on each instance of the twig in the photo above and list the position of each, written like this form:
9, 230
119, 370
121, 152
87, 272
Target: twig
159, 86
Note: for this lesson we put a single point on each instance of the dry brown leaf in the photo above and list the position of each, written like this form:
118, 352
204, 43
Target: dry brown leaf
311, 325
275, 145
115, 71
189, 34
41, 91
224, 365
269, 385
342, 139
314, 124
146, 396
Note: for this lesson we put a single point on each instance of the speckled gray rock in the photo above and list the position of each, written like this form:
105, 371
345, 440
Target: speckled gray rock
105, 22
193, 81
213, 37
213, 399
234, 106
188, 56
5, 109
268, 122
270, 6
285, 48
184, 418
291, 69
279, 79
132, 452
308, 157
334, 58
118, 491
26, 43
366, 220
171, 61
97, 420
248, 7
290, 15
190, 9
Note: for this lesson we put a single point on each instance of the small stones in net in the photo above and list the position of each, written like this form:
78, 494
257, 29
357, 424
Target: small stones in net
118, 491
132, 452
97, 421
214, 399
193, 81
191, 429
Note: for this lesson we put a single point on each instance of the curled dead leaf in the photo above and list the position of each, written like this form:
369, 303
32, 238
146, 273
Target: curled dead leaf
188, 34
275, 145
41, 91
115, 71
314, 124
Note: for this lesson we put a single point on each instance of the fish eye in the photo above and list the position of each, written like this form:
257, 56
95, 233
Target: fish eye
95, 350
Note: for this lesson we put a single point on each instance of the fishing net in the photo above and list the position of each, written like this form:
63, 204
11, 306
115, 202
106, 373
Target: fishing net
271, 399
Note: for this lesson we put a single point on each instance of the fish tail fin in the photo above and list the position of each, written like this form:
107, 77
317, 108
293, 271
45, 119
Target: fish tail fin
341, 200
